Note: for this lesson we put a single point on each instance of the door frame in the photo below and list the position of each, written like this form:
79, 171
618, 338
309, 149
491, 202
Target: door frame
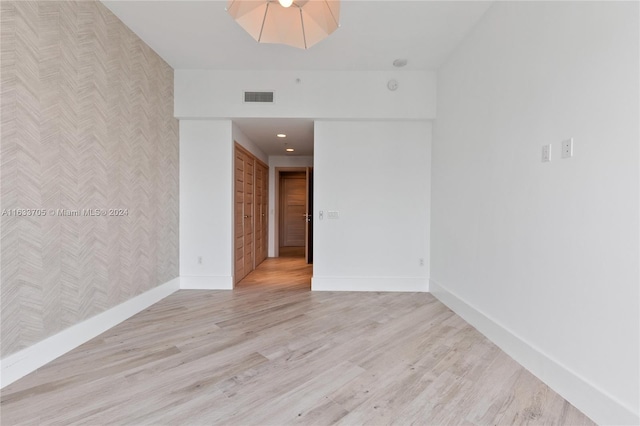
276, 207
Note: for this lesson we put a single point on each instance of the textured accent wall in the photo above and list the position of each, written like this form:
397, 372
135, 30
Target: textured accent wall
87, 123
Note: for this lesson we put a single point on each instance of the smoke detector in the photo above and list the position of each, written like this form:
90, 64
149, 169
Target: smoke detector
399, 63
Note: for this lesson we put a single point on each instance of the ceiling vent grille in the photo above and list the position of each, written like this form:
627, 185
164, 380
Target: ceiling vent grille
261, 97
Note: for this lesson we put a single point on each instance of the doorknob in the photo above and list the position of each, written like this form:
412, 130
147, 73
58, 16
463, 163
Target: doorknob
246, 216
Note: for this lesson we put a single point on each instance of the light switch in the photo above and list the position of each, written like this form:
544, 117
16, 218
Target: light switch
546, 153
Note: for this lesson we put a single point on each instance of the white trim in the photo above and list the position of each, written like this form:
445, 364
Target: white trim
21, 363
206, 283
593, 401
403, 284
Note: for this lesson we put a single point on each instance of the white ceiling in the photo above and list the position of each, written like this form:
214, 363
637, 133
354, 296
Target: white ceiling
263, 132
201, 35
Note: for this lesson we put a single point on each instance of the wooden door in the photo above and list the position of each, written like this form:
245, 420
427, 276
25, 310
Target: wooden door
265, 212
261, 203
251, 185
240, 164
293, 190
249, 193
309, 217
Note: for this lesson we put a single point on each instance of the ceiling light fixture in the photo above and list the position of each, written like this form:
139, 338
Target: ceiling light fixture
290, 150
299, 23
281, 135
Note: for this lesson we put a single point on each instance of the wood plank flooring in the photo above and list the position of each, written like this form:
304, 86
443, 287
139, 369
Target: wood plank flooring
271, 352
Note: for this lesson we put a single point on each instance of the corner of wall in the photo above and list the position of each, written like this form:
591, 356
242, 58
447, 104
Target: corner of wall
21, 363
589, 398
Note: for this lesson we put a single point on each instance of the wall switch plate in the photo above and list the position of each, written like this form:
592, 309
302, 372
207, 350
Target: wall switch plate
333, 214
546, 153
321, 214
567, 148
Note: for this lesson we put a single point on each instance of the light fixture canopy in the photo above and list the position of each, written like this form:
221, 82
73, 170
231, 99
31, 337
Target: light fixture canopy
297, 23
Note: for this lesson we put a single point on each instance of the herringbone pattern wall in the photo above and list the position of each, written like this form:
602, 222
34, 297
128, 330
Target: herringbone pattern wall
87, 123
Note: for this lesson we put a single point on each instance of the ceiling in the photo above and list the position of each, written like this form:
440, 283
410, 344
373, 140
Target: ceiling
201, 35
263, 131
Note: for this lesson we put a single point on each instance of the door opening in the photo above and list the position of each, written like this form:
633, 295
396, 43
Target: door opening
294, 216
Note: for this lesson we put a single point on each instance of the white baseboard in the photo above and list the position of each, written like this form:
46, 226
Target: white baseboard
21, 363
206, 283
590, 399
403, 284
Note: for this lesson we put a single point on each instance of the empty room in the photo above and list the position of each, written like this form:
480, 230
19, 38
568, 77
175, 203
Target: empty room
319, 212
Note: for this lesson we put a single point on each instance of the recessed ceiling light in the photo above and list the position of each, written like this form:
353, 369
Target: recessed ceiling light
399, 63
290, 149
281, 135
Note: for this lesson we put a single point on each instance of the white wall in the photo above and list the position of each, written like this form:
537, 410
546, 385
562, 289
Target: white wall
274, 162
239, 136
319, 94
206, 204
543, 257
376, 174
340, 95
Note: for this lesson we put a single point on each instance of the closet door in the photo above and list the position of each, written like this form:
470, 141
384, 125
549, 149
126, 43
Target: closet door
261, 189
250, 212
238, 220
243, 213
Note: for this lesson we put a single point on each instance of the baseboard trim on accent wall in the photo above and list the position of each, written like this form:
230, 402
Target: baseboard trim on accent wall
21, 363
587, 397
206, 283
402, 284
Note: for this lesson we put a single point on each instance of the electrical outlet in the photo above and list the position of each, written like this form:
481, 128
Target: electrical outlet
567, 148
546, 153
199, 260
421, 261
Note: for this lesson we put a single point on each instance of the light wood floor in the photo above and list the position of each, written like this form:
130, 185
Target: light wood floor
273, 353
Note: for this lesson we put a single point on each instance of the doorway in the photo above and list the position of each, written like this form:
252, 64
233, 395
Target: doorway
294, 212
291, 269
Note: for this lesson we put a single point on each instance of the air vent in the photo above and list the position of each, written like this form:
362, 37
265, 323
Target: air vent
262, 97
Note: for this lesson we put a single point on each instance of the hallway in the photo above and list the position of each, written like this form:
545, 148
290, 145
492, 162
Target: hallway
290, 272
